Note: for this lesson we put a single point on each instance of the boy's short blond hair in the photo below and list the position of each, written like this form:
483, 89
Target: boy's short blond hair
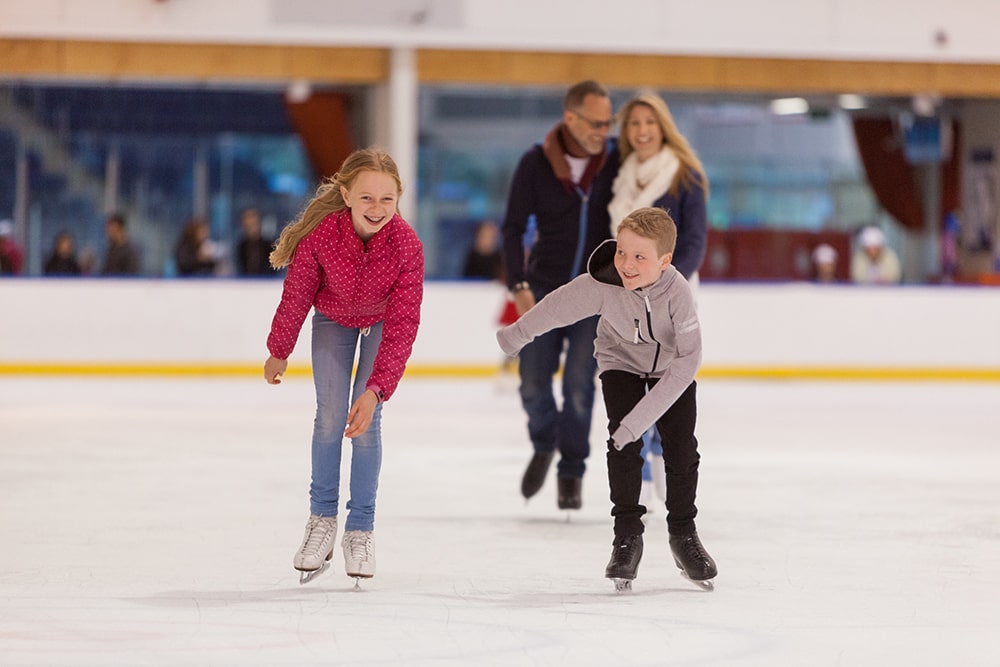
652, 223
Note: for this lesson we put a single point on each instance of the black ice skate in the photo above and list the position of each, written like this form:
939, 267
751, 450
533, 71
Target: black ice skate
694, 562
626, 552
569, 493
535, 474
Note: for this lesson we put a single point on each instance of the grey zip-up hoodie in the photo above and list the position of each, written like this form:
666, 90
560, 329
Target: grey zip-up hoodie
652, 332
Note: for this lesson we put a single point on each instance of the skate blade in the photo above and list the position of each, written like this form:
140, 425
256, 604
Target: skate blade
705, 585
622, 585
305, 577
358, 578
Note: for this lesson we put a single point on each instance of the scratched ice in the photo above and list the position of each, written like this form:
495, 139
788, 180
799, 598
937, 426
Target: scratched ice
153, 522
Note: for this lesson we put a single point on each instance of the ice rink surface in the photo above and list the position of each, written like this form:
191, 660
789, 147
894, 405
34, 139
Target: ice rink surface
153, 522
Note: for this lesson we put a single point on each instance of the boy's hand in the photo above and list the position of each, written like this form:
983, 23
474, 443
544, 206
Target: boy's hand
612, 443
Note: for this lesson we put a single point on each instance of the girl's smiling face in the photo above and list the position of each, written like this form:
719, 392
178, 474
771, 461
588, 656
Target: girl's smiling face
372, 199
636, 260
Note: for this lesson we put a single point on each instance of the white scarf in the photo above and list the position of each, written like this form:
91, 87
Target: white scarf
657, 173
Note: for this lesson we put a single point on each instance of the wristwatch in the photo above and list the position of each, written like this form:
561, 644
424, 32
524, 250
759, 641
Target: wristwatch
520, 287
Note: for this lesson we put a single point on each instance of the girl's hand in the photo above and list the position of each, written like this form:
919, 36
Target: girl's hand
274, 368
359, 418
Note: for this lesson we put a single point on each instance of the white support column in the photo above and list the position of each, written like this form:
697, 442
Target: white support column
401, 112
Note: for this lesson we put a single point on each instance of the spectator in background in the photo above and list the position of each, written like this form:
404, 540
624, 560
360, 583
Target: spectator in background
483, 259
11, 256
62, 261
195, 251
253, 250
875, 263
824, 259
121, 258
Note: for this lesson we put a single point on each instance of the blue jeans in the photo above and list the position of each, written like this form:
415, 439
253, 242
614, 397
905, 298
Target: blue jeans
568, 429
333, 352
651, 446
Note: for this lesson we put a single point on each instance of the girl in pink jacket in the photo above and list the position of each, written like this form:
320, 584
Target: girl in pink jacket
353, 259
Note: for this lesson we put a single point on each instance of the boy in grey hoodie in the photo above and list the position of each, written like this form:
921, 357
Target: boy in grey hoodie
648, 349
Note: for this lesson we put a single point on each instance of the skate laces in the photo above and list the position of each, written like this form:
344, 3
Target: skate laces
623, 550
359, 543
694, 549
317, 530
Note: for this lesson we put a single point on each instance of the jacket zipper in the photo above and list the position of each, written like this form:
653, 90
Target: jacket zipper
649, 323
582, 239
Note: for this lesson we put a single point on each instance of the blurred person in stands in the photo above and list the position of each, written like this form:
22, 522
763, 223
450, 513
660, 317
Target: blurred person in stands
253, 249
121, 258
562, 185
11, 255
62, 260
875, 263
359, 267
824, 260
195, 251
484, 259
659, 168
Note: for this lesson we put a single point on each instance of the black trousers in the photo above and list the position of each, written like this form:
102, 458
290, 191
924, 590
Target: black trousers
622, 390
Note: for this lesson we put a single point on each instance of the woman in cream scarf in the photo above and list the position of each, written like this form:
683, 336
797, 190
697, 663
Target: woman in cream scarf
659, 168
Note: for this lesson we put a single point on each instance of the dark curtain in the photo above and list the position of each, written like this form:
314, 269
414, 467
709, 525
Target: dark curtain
889, 174
892, 178
323, 123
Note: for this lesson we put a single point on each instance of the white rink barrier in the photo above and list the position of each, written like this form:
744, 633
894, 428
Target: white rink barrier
219, 326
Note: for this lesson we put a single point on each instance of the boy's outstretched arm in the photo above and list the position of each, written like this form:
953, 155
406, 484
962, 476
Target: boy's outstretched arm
570, 303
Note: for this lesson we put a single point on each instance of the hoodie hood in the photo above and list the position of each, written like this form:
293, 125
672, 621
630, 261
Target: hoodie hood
601, 267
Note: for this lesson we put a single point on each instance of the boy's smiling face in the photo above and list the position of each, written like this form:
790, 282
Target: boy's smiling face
636, 260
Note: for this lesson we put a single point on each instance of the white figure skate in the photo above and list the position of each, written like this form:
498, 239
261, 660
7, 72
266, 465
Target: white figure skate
359, 555
313, 557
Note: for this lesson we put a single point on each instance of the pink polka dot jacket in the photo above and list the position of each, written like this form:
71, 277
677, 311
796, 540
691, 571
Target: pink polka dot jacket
356, 285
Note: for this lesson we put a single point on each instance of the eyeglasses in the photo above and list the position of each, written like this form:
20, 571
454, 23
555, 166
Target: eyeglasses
594, 124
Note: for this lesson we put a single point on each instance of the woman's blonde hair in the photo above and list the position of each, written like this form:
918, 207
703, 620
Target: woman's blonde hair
328, 199
671, 137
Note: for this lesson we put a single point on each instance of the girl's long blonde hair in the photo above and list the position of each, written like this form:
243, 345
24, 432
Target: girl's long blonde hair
328, 199
671, 137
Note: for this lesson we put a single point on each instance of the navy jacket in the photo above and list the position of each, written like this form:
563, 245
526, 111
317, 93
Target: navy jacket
569, 225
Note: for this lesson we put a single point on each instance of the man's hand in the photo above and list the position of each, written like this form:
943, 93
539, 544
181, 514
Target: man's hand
524, 300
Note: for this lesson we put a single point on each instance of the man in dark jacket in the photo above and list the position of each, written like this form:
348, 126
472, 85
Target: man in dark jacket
561, 188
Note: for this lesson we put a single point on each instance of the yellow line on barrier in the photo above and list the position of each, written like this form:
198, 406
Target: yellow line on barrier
830, 373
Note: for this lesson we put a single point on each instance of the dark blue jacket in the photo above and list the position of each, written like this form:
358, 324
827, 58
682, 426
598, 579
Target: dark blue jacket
569, 225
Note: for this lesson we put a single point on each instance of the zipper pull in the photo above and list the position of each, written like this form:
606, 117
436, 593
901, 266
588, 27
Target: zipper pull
635, 338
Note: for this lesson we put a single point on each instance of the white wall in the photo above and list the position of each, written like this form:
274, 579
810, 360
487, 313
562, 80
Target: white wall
763, 328
836, 29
